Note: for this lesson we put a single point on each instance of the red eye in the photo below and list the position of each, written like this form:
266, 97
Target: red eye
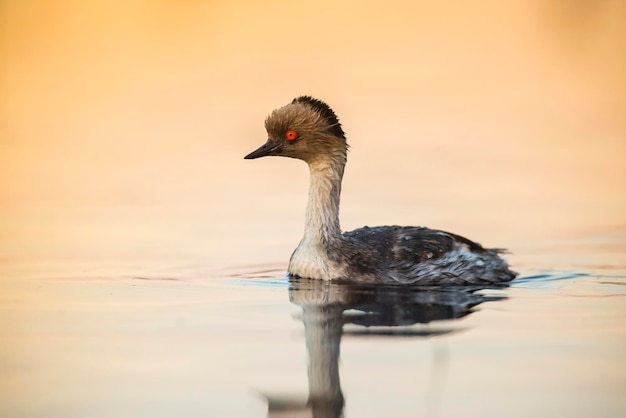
291, 135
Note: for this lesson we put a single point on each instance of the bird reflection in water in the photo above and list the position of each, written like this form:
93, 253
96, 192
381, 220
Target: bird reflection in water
331, 309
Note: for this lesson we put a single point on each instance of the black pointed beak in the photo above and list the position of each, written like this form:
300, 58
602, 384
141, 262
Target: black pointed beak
269, 148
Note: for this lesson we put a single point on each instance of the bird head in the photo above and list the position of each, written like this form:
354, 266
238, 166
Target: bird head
306, 129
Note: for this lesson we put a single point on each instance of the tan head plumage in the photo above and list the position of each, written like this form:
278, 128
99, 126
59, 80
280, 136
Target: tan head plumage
306, 129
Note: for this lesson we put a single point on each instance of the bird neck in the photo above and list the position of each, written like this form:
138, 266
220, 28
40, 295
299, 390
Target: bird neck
322, 211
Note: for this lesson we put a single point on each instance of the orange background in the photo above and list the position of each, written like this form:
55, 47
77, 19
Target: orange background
133, 116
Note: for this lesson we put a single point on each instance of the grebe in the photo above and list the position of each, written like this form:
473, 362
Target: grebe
308, 129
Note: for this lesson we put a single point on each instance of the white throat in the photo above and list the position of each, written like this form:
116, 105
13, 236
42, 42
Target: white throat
321, 221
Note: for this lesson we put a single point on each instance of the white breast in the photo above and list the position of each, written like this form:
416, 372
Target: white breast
309, 260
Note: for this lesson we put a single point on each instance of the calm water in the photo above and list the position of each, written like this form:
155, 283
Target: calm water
241, 341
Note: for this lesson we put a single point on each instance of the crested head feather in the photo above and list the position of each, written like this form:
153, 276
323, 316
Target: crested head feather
325, 111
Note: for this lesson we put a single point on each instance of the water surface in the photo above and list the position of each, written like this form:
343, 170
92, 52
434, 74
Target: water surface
244, 341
